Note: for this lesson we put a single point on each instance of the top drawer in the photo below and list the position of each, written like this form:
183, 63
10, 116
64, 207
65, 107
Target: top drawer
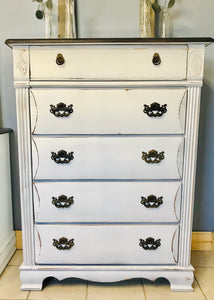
118, 63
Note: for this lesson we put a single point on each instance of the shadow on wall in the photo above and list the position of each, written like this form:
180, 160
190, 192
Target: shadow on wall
204, 191
15, 181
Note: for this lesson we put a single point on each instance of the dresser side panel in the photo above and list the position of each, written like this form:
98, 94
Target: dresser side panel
189, 172
25, 173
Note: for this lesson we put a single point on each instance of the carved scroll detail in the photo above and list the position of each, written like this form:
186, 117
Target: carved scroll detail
21, 70
196, 64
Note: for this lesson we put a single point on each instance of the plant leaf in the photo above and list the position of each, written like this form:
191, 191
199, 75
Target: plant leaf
39, 14
156, 7
37, 1
171, 3
49, 4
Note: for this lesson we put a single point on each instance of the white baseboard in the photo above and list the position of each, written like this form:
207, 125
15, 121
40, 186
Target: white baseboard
7, 250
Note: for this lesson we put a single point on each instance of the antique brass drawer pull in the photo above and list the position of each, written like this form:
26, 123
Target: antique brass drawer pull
61, 110
62, 201
150, 243
152, 201
156, 59
62, 157
63, 243
60, 59
155, 110
153, 157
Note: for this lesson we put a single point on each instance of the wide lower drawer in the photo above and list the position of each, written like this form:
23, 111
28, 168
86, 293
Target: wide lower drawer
106, 244
107, 158
108, 111
80, 202
104, 63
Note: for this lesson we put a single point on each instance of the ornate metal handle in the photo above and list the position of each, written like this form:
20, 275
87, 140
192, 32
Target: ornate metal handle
61, 110
155, 110
62, 201
62, 157
156, 59
60, 59
150, 243
152, 201
153, 157
63, 243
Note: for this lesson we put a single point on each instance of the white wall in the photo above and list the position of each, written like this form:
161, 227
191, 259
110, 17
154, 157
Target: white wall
118, 18
16, 21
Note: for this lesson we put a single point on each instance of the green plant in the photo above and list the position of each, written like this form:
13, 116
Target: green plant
40, 10
157, 8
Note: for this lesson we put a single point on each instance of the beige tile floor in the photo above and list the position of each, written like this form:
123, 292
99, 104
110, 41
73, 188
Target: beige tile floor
136, 289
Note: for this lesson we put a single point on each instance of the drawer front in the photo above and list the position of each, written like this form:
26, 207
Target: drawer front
70, 202
106, 244
107, 111
104, 63
107, 158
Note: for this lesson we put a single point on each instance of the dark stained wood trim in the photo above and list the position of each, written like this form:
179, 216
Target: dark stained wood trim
5, 130
34, 42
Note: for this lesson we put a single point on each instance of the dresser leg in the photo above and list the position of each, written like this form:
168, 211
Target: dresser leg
32, 281
182, 282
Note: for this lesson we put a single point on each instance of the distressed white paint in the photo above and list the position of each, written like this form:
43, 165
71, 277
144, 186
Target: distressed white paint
126, 84
105, 244
125, 66
180, 279
7, 235
108, 111
21, 63
117, 63
107, 158
106, 202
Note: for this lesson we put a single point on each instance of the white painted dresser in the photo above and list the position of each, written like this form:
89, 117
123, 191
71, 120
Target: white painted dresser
107, 155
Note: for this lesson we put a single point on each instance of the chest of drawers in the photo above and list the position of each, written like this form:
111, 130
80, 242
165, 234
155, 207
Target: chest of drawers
107, 135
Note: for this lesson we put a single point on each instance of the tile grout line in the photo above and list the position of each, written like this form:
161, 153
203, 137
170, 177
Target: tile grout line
28, 295
86, 294
200, 288
143, 287
197, 267
9, 264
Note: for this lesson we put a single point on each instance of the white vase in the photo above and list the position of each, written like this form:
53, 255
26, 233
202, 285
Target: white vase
48, 23
163, 22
